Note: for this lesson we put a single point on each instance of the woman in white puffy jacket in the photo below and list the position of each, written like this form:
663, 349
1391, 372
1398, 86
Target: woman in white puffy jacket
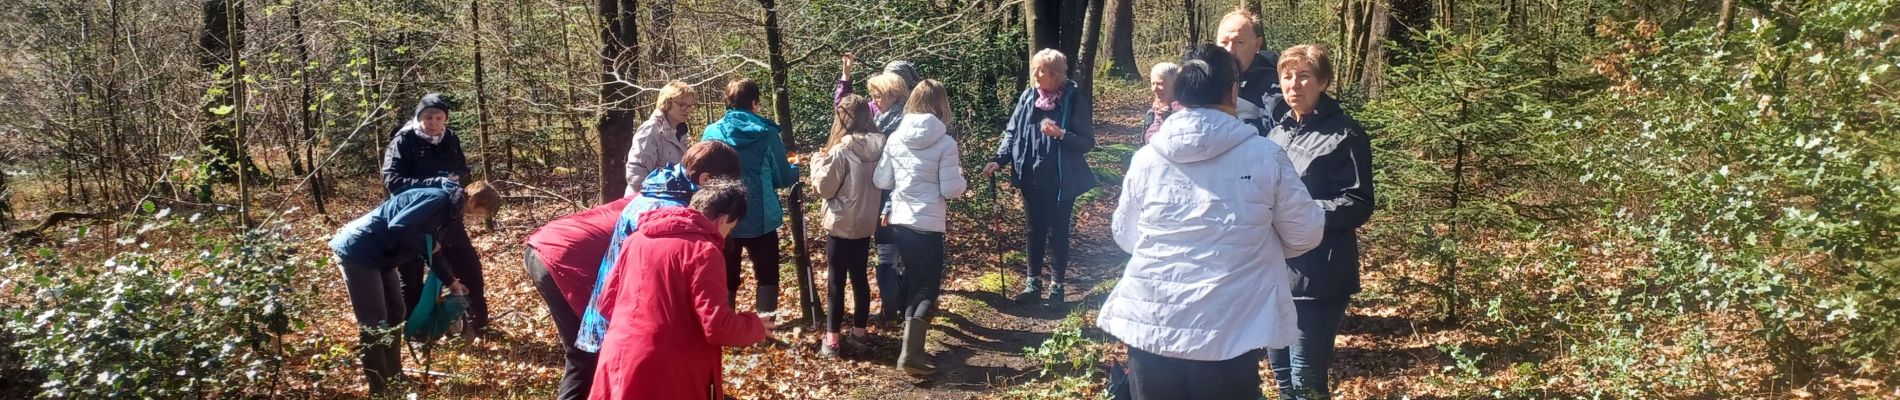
920, 168
1211, 211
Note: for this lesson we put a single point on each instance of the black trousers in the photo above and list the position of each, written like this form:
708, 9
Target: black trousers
922, 254
375, 296
578, 378
848, 258
1152, 376
1050, 219
765, 257
464, 262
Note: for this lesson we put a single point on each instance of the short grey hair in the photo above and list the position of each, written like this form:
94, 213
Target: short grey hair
1164, 70
1051, 58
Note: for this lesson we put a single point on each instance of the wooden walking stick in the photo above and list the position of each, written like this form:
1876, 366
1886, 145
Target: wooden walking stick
996, 211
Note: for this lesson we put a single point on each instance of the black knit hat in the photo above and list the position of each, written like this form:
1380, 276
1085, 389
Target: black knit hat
432, 100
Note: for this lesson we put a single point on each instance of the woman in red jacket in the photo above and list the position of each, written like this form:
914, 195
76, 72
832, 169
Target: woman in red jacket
673, 315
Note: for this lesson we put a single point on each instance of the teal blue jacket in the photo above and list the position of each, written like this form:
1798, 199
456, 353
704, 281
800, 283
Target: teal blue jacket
762, 167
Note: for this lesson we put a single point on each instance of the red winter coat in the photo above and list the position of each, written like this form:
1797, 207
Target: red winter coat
571, 248
672, 317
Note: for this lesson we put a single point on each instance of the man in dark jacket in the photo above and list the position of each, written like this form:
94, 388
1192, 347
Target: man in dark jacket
1259, 79
426, 153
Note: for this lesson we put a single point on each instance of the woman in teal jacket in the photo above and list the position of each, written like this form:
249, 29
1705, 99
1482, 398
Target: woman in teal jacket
764, 169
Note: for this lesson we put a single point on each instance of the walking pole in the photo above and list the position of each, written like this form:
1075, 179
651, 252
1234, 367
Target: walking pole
996, 213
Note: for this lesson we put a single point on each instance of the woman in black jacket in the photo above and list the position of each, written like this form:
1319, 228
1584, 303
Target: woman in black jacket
1046, 145
426, 153
1333, 155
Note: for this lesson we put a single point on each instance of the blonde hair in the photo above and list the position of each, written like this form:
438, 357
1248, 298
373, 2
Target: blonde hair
1313, 55
1051, 61
891, 88
672, 91
853, 114
929, 97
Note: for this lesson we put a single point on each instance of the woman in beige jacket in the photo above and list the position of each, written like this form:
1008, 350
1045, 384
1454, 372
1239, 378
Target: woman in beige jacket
662, 139
843, 174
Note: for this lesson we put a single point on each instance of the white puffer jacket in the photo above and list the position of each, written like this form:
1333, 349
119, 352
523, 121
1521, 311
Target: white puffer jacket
1211, 211
921, 167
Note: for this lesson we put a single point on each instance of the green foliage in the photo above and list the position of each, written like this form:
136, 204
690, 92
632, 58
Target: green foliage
1685, 195
1764, 166
1070, 362
1464, 146
148, 322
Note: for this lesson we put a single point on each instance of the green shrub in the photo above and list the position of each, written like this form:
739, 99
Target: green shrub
197, 321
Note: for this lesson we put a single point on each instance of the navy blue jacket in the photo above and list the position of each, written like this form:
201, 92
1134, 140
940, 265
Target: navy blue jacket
392, 233
1033, 157
1334, 158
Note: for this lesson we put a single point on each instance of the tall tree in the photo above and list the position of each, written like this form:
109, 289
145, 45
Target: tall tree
1192, 9
305, 109
1040, 18
619, 64
481, 90
1091, 45
222, 36
1073, 14
661, 30
1121, 40
795, 203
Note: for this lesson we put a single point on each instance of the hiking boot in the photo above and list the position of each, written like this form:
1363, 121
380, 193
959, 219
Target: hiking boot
1032, 291
1057, 293
913, 358
767, 302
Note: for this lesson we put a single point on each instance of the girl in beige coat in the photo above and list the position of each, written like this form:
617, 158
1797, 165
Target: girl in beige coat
843, 173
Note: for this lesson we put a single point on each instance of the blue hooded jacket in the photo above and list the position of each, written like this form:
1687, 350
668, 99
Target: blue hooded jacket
666, 187
392, 233
762, 167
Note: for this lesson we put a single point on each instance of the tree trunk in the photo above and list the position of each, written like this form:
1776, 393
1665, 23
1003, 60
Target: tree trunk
808, 303
1410, 16
1192, 9
235, 11
6, 203
481, 89
220, 40
1723, 17
1372, 65
1069, 32
1121, 41
1444, 13
1042, 20
304, 111
664, 49
619, 55
1091, 45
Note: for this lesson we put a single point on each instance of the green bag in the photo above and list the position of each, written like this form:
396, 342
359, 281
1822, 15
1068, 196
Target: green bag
435, 314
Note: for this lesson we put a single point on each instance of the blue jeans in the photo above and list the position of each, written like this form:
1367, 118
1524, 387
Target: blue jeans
1300, 369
